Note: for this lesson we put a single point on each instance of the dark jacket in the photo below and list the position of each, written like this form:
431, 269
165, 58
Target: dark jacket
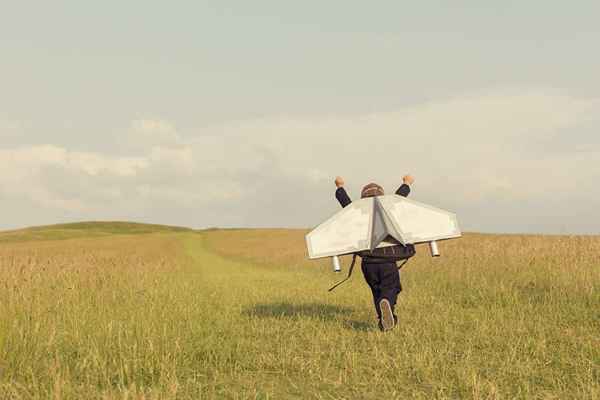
342, 196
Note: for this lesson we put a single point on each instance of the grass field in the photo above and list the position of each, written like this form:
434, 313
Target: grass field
164, 313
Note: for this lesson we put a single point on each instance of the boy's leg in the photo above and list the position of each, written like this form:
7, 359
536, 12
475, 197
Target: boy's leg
373, 274
390, 284
370, 272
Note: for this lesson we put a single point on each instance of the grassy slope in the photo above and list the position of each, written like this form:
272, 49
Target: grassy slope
84, 229
143, 317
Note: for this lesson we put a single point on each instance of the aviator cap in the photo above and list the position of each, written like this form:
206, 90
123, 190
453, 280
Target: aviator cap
371, 190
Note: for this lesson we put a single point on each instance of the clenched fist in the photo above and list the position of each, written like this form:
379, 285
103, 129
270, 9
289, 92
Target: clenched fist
407, 179
339, 181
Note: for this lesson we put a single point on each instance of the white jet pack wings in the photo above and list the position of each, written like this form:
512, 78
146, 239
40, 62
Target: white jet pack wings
381, 221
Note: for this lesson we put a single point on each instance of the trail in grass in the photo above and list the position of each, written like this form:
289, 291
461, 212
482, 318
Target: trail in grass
254, 289
274, 329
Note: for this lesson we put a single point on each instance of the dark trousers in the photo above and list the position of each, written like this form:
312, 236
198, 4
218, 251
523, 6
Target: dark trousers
384, 281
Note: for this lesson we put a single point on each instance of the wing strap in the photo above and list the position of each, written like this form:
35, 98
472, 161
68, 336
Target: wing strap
349, 274
331, 289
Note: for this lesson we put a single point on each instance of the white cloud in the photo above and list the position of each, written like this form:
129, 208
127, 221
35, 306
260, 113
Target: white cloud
500, 159
153, 132
31, 160
483, 141
180, 158
95, 164
26, 173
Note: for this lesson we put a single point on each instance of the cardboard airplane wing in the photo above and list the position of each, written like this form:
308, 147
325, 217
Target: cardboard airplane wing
381, 221
418, 222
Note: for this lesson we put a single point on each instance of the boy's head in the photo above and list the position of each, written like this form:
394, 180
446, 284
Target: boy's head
371, 190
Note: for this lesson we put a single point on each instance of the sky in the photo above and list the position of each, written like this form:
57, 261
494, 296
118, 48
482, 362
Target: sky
241, 114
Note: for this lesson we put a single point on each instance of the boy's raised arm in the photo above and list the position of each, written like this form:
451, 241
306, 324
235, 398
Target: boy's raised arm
404, 190
340, 193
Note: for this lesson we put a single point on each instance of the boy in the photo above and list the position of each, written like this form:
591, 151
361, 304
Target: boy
381, 273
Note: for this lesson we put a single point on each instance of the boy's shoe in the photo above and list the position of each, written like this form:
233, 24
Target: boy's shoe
387, 316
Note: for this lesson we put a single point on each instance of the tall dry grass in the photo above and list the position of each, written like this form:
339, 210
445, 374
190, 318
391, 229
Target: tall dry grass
88, 318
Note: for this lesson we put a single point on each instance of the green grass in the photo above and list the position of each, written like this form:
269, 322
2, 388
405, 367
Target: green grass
85, 229
243, 314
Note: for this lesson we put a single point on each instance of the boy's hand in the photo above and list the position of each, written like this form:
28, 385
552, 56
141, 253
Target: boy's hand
408, 180
339, 181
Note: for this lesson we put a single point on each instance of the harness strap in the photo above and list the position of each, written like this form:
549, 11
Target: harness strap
352, 268
402, 265
349, 274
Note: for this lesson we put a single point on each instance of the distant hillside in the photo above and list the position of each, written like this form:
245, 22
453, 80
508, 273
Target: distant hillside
85, 229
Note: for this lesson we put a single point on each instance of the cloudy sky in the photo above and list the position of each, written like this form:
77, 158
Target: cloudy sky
240, 114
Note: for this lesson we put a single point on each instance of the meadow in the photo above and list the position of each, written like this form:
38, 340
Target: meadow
126, 311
